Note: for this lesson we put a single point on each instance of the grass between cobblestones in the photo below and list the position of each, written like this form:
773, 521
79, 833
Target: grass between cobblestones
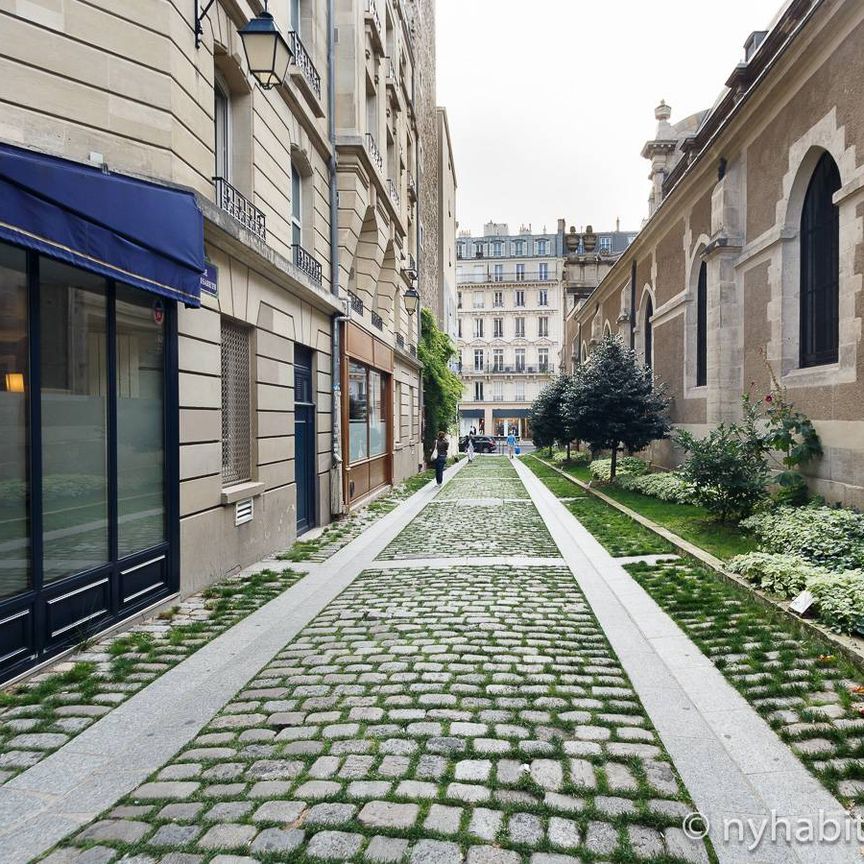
425, 715
616, 531
693, 523
810, 697
341, 532
46, 711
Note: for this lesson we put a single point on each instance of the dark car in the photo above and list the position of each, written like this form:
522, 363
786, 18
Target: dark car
482, 444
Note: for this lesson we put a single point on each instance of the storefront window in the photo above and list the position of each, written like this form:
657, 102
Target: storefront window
368, 417
358, 405
74, 428
140, 421
14, 387
377, 421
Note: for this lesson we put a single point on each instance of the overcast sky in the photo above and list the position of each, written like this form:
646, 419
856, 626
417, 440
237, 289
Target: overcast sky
550, 101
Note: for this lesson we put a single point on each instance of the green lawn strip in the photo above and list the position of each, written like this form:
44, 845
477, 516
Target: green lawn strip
616, 531
791, 677
124, 663
689, 521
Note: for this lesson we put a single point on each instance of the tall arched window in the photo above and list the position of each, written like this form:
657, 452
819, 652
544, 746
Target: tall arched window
820, 233
702, 327
649, 331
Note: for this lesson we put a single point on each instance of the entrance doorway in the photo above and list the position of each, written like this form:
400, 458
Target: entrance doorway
304, 439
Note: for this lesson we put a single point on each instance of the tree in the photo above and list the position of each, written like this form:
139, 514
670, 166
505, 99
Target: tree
549, 421
615, 401
442, 388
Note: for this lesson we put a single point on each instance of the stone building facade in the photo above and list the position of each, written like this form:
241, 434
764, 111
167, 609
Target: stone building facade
159, 438
750, 265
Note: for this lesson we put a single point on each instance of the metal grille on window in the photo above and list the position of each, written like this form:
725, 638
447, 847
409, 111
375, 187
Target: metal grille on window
236, 432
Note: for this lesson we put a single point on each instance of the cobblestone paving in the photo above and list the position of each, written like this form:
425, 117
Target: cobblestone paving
456, 528
432, 715
812, 698
52, 707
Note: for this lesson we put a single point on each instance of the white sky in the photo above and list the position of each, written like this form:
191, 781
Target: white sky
550, 101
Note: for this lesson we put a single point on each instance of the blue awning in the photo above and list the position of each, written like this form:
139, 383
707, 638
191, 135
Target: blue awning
137, 232
511, 413
471, 412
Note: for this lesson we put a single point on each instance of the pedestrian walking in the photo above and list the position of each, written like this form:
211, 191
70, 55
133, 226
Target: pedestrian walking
442, 445
470, 447
511, 444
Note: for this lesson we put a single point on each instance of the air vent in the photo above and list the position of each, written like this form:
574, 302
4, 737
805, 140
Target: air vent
244, 511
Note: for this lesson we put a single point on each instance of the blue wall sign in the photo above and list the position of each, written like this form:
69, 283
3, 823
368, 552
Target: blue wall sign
210, 279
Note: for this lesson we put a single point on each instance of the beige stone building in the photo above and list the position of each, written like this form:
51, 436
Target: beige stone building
750, 262
166, 427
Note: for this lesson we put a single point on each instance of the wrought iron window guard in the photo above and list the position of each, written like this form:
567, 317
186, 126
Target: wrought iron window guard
304, 63
394, 192
400, 340
237, 205
308, 263
377, 320
374, 152
356, 303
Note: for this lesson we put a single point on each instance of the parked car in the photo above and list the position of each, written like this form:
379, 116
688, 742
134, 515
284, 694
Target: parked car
482, 444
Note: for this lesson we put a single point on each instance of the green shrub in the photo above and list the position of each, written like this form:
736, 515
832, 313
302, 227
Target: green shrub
577, 457
601, 469
664, 485
840, 597
785, 575
828, 536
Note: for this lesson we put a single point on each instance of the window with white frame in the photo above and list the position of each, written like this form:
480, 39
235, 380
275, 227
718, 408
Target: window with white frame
459, 300
497, 359
543, 297
498, 328
520, 328
478, 328
499, 272
478, 359
520, 359
519, 248
542, 247
459, 328
543, 359
519, 391
520, 272
498, 299
460, 250
497, 248
236, 403
543, 271
543, 326
478, 391
479, 301
222, 127
498, 391
296, 207
519, 298
605, 244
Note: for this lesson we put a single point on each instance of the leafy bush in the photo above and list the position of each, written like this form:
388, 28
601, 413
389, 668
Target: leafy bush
665, 485
786, 575
831, 537
601, 469
841, 600
577, 457
725, 470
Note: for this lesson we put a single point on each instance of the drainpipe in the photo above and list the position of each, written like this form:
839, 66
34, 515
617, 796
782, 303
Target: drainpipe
633, 304
337, 506
420, 400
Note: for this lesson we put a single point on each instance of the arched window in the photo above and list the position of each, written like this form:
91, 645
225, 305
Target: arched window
702, 327
649, 332
820, 261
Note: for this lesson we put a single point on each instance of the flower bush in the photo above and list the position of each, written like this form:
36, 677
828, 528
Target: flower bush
785, 575
601, 469
828, 536
665, 485
840, 597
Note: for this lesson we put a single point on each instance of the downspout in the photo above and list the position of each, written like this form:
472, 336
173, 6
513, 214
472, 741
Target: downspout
633, 305
337, 507
420, 401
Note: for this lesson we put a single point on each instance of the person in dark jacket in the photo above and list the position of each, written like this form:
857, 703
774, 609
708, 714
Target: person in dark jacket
442, 445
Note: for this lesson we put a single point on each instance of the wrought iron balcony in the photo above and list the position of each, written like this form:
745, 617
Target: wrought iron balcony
377, 320
304, 63
308, 263
412, 192
373, 151
241, 209
412, 350
394, 192
400, 340
356, 303
372, 12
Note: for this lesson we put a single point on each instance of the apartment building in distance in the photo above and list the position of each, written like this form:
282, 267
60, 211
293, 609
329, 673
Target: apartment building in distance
180, 391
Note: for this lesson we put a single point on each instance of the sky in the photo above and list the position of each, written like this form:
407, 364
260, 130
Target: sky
551, 101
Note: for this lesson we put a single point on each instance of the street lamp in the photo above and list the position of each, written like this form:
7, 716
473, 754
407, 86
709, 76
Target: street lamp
412, 298
267, 52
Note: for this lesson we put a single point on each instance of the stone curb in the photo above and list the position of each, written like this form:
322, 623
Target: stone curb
851, 647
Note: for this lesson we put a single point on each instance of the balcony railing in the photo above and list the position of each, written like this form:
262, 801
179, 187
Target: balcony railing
304, 63
377, 320
372, 12
356, 303
373, 151
394, 192
236, 205
308, 263
412, 350
412, 187
510, 370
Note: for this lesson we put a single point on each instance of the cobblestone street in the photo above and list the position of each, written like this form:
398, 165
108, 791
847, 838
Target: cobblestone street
435, 712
